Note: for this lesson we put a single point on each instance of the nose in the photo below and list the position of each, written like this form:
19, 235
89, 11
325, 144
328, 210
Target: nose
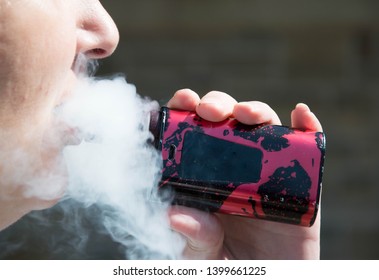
97, 34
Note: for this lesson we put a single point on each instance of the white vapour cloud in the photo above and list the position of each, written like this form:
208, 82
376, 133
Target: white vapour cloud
116, 168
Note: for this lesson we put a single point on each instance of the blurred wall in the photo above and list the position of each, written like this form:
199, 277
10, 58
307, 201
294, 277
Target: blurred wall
323, 53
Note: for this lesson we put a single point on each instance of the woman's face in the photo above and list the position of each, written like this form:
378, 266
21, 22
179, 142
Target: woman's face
39, 43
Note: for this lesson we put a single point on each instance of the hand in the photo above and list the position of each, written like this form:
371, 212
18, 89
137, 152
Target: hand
213, 236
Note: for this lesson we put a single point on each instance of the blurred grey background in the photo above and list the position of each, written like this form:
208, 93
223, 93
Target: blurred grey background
323, 53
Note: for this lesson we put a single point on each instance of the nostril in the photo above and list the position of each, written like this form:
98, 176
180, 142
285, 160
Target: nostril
97, 53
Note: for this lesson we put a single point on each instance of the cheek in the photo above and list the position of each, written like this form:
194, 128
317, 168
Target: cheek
39, 71
36, 80
49, 65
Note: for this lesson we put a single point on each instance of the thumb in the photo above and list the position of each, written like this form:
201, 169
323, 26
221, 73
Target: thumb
203, 232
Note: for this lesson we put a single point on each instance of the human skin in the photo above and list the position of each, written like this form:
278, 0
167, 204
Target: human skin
212, 236
39, 43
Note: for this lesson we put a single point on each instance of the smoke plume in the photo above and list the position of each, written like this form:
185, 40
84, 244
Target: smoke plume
116, 168
113, 174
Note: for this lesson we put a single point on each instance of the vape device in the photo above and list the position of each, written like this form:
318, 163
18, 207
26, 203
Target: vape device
267, 172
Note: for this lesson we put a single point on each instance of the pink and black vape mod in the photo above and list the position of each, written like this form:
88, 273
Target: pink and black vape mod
265, 171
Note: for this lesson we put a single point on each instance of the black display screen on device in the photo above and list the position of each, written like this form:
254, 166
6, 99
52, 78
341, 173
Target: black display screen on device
207, 158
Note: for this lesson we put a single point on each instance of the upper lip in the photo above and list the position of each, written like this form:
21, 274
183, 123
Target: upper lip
83, 65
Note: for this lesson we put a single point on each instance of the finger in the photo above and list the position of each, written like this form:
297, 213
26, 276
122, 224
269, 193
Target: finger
203, 231
255, 112
184, 99
216, 106
303, 118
